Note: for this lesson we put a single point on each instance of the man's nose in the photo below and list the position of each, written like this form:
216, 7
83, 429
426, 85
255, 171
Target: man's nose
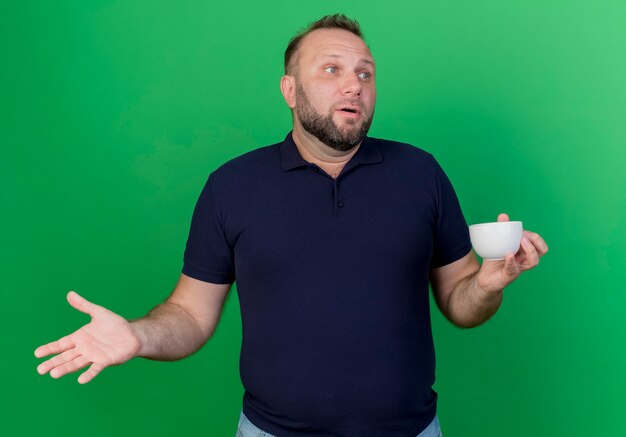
351, 85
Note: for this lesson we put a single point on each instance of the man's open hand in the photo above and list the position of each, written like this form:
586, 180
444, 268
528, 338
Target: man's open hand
106, 341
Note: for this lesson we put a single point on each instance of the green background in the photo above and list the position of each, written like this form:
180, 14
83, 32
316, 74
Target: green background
114, 113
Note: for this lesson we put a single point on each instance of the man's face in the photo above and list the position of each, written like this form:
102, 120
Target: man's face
335, 87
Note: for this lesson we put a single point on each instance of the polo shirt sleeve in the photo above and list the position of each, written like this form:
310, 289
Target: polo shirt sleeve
208, 255
451, 239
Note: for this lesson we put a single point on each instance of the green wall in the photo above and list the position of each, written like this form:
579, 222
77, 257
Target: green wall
114, 113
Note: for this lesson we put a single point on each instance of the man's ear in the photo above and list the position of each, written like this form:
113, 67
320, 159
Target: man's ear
288, 89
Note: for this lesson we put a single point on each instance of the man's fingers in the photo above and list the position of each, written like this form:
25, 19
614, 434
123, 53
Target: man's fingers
90, 374
66, 356
71, 366
55, 347
538, 242
502, 217
81, 304
531, 253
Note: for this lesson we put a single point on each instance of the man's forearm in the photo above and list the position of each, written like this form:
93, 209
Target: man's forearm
168, 333
470, 305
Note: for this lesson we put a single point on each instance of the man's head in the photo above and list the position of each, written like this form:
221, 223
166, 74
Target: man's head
329, 82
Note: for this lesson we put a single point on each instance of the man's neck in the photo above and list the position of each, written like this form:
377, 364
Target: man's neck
313, 150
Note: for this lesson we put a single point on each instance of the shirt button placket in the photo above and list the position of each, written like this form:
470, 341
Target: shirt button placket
336, 196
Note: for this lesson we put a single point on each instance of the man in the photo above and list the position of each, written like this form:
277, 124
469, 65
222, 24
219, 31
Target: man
333, 238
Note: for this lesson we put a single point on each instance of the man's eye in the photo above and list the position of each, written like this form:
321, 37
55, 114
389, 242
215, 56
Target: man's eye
365, 75
331, 70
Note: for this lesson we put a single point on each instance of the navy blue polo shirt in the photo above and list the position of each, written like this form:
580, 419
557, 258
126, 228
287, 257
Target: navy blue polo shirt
332, 276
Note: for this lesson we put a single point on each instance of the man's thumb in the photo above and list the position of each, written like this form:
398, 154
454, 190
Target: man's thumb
80, 303
509, 265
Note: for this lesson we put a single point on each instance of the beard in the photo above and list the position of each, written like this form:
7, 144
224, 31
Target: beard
324, 128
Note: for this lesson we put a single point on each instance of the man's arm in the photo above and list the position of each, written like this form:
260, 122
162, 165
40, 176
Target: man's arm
458, 297
173, 330
468, 293
181, 325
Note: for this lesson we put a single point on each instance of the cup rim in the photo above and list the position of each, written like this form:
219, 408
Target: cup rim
478, 225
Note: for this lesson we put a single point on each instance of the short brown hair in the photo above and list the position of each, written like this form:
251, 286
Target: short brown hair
336, 21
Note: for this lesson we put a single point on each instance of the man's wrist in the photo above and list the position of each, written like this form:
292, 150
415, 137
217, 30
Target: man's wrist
483, 292
137, 328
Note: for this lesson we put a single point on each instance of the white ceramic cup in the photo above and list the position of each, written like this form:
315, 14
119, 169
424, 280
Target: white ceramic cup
493, 241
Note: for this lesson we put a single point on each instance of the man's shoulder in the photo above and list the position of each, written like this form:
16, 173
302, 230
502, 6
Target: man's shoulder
249, 162
403, 151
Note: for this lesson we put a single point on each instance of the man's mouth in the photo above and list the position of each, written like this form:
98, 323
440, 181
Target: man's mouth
347, 110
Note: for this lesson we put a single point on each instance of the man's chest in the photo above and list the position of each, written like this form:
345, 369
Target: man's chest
332, 221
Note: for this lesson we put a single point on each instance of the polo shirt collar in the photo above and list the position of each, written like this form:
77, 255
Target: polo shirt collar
368, 153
